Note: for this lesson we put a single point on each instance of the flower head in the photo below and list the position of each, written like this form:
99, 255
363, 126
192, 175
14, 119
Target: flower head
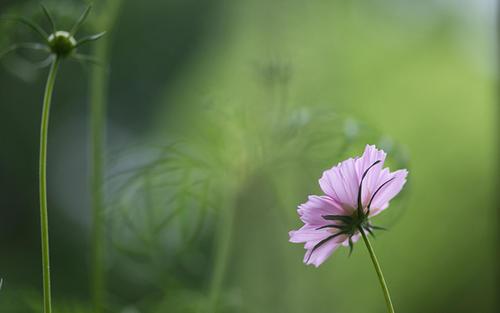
355, 190
57, 43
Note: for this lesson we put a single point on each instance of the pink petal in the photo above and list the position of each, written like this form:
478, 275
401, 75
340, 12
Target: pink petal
318, 256
340, 183
389, 191
312, 211
369, 157
307, 233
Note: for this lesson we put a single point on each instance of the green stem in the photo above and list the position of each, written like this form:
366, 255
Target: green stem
44, 219
380, 275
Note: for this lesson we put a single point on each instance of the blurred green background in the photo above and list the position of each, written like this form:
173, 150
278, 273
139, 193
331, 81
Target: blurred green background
222, 115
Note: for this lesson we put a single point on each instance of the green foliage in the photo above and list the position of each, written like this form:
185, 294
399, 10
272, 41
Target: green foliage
236, 111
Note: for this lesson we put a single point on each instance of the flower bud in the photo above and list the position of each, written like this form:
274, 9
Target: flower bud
61, 43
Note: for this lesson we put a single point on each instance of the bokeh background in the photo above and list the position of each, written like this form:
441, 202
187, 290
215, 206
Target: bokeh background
221, 117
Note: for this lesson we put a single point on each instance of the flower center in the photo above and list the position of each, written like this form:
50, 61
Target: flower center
62, 43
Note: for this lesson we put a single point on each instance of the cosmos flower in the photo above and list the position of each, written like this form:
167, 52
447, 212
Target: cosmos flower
355, 190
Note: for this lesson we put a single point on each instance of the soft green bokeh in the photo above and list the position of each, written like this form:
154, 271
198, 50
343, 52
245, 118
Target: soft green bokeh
422, 78
258, 98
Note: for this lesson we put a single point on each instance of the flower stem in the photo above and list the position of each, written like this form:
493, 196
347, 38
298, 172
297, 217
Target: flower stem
380, 275
44, 220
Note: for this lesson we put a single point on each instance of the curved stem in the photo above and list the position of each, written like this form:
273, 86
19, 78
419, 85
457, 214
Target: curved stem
380, 275
44, 221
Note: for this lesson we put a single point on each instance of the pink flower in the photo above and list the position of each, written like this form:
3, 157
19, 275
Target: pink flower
355, 190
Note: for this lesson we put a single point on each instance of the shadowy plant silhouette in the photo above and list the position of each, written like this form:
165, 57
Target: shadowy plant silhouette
181, 193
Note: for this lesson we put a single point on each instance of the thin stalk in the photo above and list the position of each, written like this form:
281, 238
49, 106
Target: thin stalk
380, 275
44, 219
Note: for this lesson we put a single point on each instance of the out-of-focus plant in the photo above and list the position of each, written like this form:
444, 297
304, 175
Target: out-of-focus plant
180, 194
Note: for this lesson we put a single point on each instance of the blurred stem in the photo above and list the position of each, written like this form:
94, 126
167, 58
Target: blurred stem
223, 241
380, 275
98, 99
98, 86
44, 218
150, 209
